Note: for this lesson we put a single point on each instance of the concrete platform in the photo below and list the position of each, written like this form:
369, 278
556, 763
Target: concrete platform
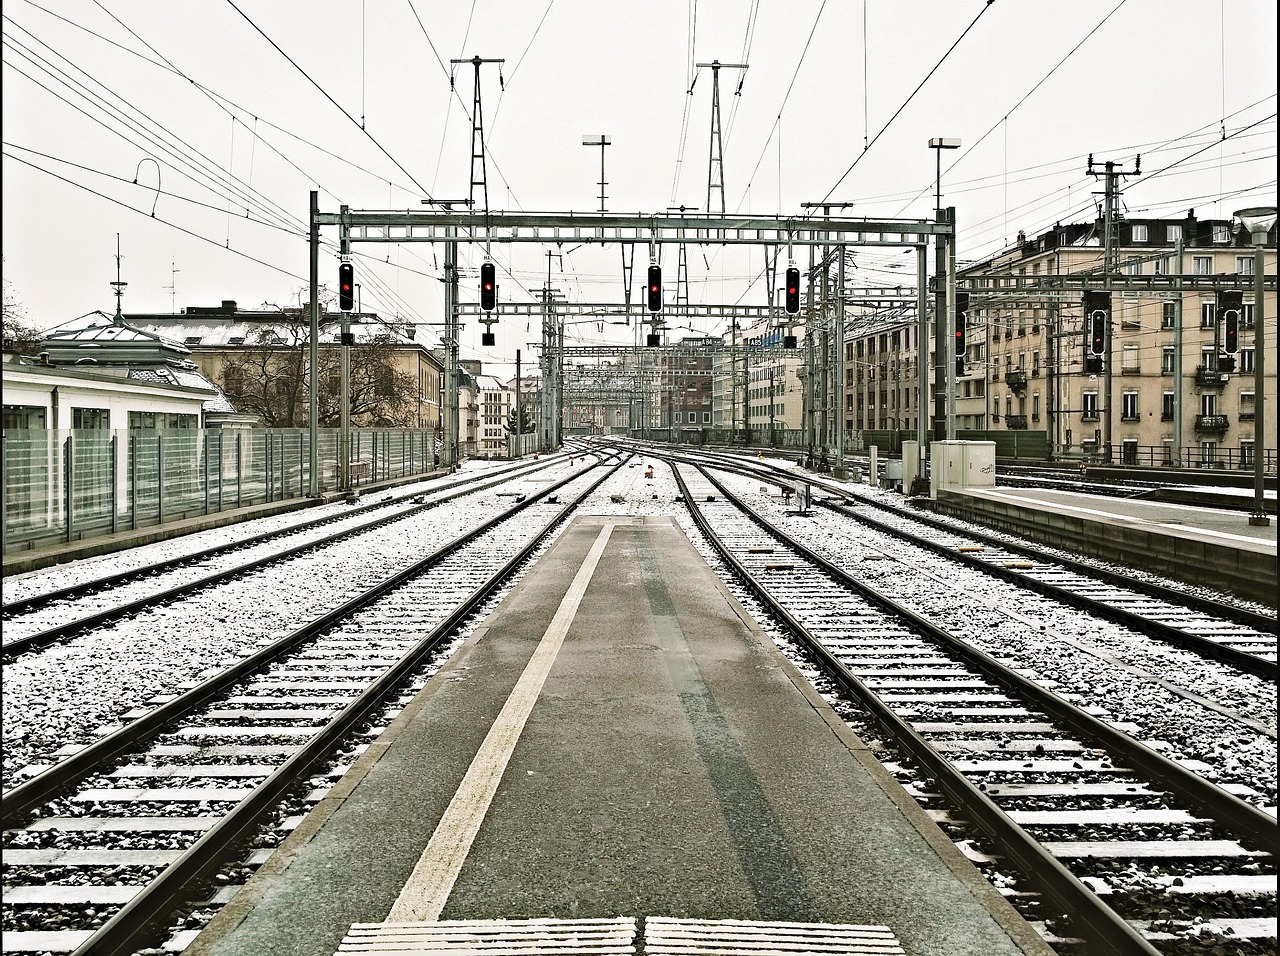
618, 741
1210, 546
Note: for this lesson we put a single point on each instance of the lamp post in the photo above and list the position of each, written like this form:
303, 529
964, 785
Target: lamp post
602, 141
938, 144
1259, 220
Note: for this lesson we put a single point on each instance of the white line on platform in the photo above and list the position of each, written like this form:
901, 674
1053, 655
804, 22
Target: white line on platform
428, 888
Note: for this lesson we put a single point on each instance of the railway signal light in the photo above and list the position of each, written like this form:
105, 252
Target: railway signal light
793, 290
488, 286
1230, 305
346, 286
655, 288
1097, 314
962, 323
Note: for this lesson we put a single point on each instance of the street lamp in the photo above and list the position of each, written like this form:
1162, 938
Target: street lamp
938, 144
1259, 220
602, 141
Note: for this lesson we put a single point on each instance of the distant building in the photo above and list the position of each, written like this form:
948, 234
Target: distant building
214, 334
496, 401
1171, 398
100, 372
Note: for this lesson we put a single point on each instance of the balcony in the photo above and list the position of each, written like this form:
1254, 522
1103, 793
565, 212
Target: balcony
1015, 421
1210, 377
1212, 423
1017, 379
1089, 416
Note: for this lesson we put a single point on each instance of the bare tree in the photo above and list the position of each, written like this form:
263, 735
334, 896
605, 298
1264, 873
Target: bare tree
270, 377
19, 336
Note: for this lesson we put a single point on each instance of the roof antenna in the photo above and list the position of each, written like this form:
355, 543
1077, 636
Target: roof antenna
118, 286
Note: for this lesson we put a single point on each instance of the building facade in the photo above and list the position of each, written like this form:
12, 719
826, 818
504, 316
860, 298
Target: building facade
1168, 392
219, 337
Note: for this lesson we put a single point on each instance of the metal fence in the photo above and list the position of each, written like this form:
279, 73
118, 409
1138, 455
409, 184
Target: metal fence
70, 485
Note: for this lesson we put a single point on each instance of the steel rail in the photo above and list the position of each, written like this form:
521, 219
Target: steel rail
20, 645
1166, 633
1248, 822
136, 922
21, 799
35, 601
1103, 927
1260, 622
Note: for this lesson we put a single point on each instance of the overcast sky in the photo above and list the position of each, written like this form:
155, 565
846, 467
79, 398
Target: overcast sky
238, 109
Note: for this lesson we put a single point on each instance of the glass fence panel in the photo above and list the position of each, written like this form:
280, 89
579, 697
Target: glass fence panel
66, 485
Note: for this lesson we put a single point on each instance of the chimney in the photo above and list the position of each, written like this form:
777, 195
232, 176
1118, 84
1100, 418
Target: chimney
228, 305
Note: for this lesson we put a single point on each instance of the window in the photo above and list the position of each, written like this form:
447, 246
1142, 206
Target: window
1246, 316
1129, 360
90, 418
1208, 403
1129, 407
1166, 407
1244, 265
1164, 266
1244, 361
1202, 265
1035, 362
1208, 315
232, 379
693, 418
1172, 231
1168, 450
1246, 406
1139, 233
1129, 318
1129, 451
1166, 360
706, 416
1133, 267
1246, 452
23, 416
1221, 233
1089, 406
1168, 315
1035, 407
385, 382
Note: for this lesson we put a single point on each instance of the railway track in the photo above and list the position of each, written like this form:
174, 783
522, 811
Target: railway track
105, 846
41, 617
1239, 637
1125, 849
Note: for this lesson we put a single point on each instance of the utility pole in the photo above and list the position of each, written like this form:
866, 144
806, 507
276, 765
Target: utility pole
344, 373
1109, 267
477, 130
451, 347
602, 141
313, 423
715, 161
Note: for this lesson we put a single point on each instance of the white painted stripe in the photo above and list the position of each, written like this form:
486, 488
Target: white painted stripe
428, 888
665, 936
530, 937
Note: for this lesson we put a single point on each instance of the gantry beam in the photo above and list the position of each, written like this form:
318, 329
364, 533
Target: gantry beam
1114, 282
435, 225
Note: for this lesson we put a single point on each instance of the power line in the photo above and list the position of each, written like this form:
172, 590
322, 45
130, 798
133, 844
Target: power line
986, 6
328, 97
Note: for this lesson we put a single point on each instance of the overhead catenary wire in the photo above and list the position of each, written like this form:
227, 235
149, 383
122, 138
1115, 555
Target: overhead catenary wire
326, 95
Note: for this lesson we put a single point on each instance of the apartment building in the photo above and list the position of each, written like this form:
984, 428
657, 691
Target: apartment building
1169, 392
